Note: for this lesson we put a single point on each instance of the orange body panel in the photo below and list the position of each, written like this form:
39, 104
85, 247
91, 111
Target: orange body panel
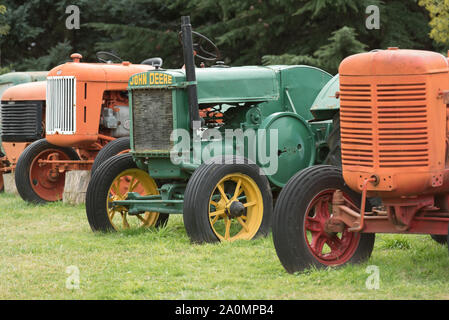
31, 91
93, 81
13, 150
393, 122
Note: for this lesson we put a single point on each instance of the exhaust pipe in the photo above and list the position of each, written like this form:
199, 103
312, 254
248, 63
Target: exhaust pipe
189, 62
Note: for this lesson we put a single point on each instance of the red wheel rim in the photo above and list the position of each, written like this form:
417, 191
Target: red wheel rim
45, 181
329, 249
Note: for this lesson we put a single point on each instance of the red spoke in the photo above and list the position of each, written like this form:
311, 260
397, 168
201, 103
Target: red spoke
339, 247
318, 241
313, 225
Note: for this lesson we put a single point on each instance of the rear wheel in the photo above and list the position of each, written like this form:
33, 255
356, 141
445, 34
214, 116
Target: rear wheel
227, 202
39, 183
112, 181
117, 146
302, 209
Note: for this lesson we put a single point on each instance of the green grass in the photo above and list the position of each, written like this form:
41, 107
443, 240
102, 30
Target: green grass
38, 243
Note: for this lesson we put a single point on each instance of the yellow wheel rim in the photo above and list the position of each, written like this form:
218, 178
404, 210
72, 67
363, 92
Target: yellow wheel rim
130, 180
227, 226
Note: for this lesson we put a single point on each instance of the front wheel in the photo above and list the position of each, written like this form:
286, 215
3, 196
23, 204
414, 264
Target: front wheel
37, 182
112, 181
227, 202
302, 209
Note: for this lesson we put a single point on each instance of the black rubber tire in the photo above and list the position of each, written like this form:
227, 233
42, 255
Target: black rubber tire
98, 189
109, 150
334, 142
22, 171
441, 239
202, 183
288, 220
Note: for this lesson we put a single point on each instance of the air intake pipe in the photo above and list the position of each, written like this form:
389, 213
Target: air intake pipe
189, 62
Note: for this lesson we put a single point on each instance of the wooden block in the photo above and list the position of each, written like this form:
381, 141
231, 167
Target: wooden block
10, 183
75, 187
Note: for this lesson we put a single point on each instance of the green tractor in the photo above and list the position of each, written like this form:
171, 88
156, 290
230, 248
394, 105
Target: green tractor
214, 144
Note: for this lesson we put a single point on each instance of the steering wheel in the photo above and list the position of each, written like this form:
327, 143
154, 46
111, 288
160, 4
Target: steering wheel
203, 47
107, 57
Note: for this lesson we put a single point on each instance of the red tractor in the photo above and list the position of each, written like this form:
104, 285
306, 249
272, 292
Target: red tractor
394, 128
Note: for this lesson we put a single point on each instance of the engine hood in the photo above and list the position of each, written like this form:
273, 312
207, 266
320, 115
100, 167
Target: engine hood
99, 72
32, 91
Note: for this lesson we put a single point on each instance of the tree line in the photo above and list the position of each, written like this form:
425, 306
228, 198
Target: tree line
33, 33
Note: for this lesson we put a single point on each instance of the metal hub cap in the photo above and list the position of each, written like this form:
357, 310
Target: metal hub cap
235, 209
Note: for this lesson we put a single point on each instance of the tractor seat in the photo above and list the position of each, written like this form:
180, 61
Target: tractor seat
155, 62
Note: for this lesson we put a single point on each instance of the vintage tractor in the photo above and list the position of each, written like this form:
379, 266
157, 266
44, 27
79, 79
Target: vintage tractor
394, 145
182, 163
23, 93
86, 107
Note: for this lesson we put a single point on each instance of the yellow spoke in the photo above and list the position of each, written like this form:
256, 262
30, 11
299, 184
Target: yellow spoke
215, 213
228, 228
118, 187
244, 218
249, 204
237, 189
215, 219
132, 185
111, 214
125, 221
114, 187
240, 220
223, 194
214, 204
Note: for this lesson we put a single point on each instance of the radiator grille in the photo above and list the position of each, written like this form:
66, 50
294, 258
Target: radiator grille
395, 114
21, 121
61, 105
152, 120
356, 116
402, 125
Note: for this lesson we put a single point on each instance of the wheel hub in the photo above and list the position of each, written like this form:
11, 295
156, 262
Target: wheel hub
235, 209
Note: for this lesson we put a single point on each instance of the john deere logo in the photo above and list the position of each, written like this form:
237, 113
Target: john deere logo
151, 78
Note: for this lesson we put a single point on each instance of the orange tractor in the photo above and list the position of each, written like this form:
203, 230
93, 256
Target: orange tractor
394, 111
86, 108
22, 107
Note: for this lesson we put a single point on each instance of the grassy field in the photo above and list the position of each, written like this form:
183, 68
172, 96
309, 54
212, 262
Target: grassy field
38, 243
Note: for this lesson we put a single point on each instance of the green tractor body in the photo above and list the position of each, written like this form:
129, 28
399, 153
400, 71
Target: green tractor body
215, 144
253, 98
327, 102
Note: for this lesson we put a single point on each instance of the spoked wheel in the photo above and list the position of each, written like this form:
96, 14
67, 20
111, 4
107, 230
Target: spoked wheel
302, 209
329, 249
227, 202
37, 182
112, 181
